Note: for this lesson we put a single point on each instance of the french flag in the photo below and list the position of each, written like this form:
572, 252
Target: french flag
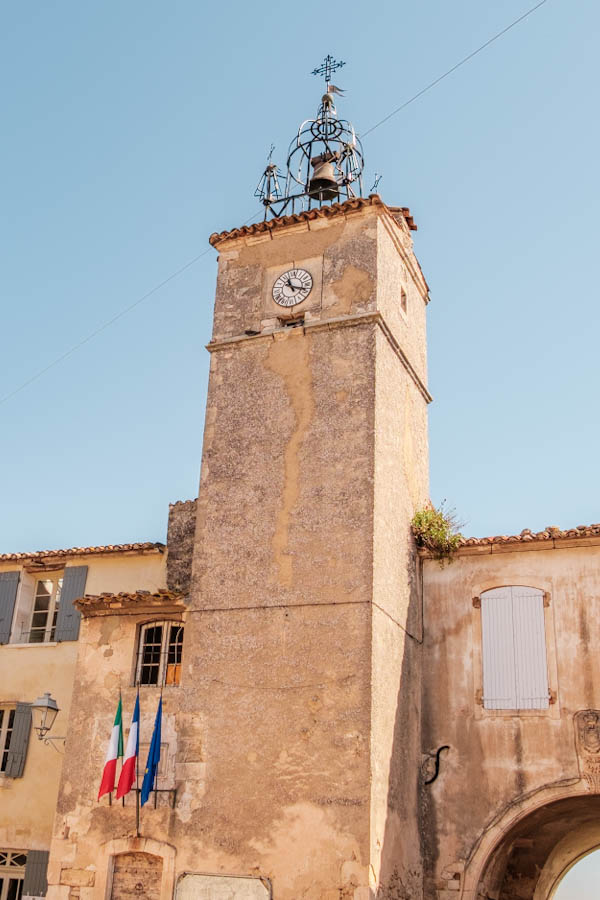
128, 775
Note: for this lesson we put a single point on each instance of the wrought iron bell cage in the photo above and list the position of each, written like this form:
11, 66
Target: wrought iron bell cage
325, 162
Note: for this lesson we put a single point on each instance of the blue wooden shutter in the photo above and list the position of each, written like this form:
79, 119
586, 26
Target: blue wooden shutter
19, 741
35, 883
9, 582
73, 586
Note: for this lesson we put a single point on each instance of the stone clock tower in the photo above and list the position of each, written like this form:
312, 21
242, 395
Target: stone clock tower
302, 643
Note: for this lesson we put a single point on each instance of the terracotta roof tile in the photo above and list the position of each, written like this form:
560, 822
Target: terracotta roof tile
550, 533
130, 602
83, 551
321, 212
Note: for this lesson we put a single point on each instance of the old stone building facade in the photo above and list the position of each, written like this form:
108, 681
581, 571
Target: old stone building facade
343, 719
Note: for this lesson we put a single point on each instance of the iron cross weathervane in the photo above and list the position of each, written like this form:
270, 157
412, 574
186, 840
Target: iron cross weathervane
328, 66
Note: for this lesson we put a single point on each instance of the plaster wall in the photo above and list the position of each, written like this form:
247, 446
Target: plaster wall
510, 756
28, 804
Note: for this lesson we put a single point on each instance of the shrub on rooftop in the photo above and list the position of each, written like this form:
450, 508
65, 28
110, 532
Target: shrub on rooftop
436, 529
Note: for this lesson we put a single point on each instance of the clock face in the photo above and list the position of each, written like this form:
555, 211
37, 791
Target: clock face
292, 287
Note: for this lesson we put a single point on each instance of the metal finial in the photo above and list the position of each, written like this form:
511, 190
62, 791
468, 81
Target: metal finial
267, 189
328, 66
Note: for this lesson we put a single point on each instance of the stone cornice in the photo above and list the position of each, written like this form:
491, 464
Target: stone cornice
329, 325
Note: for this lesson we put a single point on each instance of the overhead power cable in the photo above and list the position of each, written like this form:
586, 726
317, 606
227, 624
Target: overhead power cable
465, 59
112, 320
195, 259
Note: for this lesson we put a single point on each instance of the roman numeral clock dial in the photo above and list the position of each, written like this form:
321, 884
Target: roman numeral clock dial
292, 287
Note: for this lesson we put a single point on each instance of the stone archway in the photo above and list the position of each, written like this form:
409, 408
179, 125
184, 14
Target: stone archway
531, 856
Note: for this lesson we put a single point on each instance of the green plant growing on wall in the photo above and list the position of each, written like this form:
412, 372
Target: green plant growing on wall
437, 530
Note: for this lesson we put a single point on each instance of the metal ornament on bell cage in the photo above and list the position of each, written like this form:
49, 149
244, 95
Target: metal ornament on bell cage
325, 160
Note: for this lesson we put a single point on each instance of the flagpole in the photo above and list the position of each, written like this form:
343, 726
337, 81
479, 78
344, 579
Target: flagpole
137, 775
122, 757
156, 779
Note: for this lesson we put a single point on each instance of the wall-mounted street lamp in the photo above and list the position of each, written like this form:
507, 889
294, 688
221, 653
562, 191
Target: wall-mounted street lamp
44, 711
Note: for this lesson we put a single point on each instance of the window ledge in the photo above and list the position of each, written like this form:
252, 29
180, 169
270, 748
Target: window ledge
39, 644
518, 713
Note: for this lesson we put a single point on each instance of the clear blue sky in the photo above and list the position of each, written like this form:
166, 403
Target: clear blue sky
581, 882
133, 130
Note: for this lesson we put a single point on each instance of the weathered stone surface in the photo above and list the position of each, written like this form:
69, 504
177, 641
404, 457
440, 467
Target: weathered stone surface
294, 736
180, 542
77, 877
136, 875
513, 787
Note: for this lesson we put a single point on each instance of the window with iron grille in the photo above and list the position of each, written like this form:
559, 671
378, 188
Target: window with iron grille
12, 873
515, 670
159, 653
7, 720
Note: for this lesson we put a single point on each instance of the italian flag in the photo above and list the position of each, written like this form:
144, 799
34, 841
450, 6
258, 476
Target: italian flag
128, 773
115, 749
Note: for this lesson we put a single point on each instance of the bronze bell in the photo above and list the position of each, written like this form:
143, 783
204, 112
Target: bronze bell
322, 185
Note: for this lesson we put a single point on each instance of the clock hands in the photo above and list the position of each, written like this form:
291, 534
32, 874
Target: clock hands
292, 287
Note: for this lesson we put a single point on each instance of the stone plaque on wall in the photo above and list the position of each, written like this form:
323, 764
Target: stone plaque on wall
221, 887
587, 740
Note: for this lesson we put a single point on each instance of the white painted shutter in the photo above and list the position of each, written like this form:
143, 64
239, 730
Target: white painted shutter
530, 648
515, 674
499, 686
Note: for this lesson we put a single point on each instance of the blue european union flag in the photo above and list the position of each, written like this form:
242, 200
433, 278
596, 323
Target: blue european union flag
153, 757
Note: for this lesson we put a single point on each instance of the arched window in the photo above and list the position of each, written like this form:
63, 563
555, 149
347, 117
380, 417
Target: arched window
515, 670
159, 653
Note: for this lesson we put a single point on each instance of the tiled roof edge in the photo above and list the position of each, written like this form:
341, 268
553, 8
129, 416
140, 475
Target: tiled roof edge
130, 601
550, 533
84, 551
309, 215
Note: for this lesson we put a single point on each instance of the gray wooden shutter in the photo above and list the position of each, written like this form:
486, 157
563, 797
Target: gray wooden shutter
73, 586
19, 741
9, 582
35, 883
